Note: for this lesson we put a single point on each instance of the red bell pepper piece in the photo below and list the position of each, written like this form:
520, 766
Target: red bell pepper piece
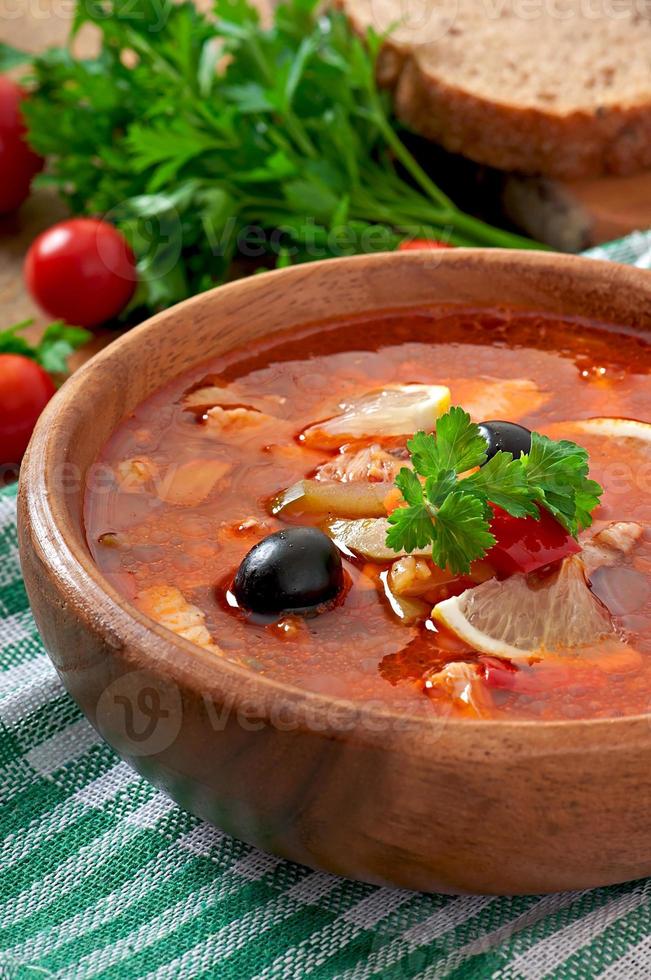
525, 544
498, 673
537, 680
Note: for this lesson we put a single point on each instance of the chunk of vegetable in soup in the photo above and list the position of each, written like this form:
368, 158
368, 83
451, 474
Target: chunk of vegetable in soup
300, 431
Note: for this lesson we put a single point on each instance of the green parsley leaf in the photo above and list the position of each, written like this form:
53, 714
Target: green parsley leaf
461, 533
459, 442
57, 343
458, 445
557, 472
587, 498
11, 57
438, 487
410, 528
11, 341
410, 486
502, 481
424, 454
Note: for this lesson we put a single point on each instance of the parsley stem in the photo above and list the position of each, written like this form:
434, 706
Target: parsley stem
488, 235
258, 57
411, 165
298, 134
476, 229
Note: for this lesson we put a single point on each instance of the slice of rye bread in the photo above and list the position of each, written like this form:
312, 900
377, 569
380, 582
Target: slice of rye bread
560, 88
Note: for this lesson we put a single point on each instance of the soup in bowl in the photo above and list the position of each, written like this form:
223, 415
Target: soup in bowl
312, 432
360, 553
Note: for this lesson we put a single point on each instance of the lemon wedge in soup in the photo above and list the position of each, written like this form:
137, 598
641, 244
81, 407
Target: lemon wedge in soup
400, 410
521, 618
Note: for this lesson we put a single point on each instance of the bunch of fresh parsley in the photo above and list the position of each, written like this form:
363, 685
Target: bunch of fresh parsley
454, 514
57, 343
208, 137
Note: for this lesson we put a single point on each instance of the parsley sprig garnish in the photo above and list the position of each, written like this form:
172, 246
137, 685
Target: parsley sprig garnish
453, 512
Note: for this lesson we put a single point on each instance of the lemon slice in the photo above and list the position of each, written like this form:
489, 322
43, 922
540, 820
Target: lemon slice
615, 428
523, 617
397, 411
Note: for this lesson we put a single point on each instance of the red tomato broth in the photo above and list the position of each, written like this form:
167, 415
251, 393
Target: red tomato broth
358, 648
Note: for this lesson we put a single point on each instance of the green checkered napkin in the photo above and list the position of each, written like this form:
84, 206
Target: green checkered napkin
102, 876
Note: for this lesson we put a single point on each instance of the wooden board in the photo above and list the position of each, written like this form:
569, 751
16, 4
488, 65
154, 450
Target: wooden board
577, 215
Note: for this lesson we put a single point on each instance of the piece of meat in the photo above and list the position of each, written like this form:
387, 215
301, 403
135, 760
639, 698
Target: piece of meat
371, 463
414, 576
168, 607
220, 420
463, 685
212, 392
607, 545
410, 576
188, 484
409, 611
134, 474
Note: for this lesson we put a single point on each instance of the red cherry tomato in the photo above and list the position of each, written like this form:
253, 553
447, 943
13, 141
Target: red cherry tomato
25, 390
410, 244
81, 271
525, 544
18, 163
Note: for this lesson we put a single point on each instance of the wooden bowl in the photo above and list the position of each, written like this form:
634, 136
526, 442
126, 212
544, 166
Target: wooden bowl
446, 805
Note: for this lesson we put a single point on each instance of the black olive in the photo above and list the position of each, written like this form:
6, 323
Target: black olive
295, 569
507, 437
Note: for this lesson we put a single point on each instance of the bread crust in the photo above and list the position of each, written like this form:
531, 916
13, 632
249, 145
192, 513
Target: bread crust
564, 146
